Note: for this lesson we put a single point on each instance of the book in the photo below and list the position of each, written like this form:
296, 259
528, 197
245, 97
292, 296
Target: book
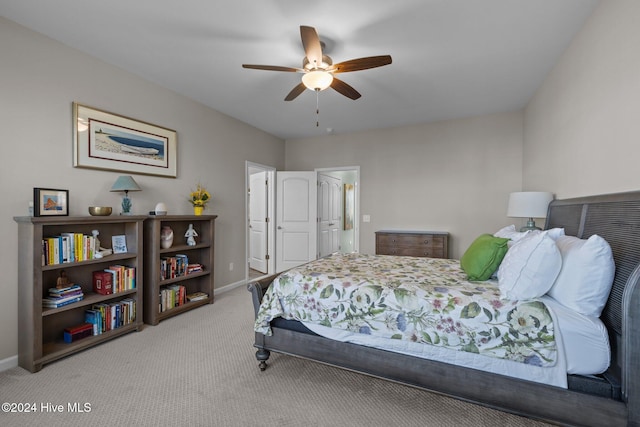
71, 239
197, 296
102, 282
182, 261
93, 317
65, 290
102, 308
114, 279
66, 294
60, 302
194, 268
77, 332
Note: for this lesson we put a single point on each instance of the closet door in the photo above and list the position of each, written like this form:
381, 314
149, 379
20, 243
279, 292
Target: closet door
329, 214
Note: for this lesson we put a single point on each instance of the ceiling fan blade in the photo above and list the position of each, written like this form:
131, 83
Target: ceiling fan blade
312, 46
295, 92
361, 64
273, 68
345, 89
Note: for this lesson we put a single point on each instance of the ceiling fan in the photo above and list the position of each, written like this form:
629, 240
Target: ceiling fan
319, 69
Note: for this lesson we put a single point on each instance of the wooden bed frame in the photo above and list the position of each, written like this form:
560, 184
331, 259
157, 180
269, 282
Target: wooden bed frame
612, 399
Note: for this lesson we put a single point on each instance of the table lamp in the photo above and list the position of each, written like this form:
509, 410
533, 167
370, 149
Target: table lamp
125, 183
529, 204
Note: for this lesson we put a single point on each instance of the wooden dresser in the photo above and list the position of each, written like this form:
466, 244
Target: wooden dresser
433, 244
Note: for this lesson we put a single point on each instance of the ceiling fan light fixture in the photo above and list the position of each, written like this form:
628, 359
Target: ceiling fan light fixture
317, 79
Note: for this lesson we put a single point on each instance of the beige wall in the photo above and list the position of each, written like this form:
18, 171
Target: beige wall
40, 80
582, 128
453, 176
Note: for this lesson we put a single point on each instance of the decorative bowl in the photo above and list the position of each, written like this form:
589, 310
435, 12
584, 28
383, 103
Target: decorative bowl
100, 210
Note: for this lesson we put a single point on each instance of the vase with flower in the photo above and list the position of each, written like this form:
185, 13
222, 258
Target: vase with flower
199, 199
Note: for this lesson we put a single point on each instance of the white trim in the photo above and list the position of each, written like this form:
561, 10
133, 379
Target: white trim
229, 287
8, 363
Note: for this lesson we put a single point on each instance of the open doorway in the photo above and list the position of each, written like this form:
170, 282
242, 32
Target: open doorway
260, 206
347, 217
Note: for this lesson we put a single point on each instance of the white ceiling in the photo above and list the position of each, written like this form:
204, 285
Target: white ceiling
451, 58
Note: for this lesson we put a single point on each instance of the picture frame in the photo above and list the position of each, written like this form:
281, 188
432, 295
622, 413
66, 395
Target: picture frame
50, 202
349, 207
119, 244
108, 141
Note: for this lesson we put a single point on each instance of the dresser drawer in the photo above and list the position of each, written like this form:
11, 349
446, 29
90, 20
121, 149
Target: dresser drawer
410, 251
410, 240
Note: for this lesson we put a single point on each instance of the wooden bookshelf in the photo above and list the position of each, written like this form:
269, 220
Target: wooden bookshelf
40, 330
201, 253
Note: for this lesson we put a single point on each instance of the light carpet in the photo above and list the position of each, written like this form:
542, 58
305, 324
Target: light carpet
199, 369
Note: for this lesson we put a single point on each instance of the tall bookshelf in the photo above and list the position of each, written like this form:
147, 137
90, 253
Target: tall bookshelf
41, 330
201, 253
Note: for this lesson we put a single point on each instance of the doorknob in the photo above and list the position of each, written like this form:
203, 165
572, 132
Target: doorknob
280, 228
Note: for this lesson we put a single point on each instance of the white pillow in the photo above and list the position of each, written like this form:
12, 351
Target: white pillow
509, 232
530, 266
586, 276
554, 233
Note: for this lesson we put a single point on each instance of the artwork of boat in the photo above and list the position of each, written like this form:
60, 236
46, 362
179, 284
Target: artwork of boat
139, 150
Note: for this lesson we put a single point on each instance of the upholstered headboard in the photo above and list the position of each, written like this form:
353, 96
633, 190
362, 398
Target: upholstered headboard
616, 218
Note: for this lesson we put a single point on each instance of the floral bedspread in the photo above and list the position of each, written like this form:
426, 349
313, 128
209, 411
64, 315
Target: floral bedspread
424, 300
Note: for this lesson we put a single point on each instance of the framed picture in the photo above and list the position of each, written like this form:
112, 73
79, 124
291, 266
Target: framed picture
50, 202
349, 207
103, 140
119, 244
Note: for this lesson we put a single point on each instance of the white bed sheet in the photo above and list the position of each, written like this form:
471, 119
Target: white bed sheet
586, 340
583, 347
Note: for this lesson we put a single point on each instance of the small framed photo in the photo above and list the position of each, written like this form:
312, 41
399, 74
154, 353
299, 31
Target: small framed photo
50, 202
119, 244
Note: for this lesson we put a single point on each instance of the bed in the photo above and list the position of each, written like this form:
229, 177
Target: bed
608, 398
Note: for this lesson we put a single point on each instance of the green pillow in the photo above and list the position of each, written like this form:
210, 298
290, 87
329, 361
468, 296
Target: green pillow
483, 257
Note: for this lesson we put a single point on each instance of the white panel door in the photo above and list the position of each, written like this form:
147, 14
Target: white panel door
296, 219
329, 214
258, 222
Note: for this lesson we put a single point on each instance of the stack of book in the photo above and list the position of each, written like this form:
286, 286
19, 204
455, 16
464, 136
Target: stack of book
59, 297
197, 296
109, 316
67, 247
116, 278
173, 266
194, 268
172, 296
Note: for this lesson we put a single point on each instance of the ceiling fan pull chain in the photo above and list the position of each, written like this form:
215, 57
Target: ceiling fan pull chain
317, 107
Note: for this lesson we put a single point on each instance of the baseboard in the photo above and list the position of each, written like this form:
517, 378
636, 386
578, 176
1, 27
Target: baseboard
230, 286
8, 363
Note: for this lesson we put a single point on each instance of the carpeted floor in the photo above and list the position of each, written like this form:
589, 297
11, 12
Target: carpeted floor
199, 369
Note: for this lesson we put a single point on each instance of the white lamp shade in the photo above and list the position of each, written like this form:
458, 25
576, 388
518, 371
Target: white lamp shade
317, 80
529, 204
